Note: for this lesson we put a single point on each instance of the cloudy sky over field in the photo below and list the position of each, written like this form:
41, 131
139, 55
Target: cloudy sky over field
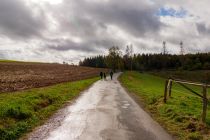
69, 30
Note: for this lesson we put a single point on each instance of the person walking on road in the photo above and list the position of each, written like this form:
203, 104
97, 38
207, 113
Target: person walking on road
111, 74
101, 75
104, 76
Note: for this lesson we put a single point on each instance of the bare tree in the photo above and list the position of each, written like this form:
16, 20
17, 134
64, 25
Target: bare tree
129, 55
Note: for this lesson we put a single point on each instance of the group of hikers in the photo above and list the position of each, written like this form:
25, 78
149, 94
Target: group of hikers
103, 75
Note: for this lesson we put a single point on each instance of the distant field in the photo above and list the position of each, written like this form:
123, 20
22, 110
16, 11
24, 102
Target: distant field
181, 114
2, 60
15, 61
197, 76
15, 76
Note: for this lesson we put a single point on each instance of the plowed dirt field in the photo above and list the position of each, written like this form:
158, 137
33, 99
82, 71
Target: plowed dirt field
17, 76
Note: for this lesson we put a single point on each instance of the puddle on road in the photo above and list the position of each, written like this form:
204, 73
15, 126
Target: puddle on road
125, 104
125, 107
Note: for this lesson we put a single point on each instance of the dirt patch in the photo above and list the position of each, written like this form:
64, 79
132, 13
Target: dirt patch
130, 78
20, 76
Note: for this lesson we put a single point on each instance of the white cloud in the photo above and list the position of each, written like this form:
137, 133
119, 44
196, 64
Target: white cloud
69, 30
47, 1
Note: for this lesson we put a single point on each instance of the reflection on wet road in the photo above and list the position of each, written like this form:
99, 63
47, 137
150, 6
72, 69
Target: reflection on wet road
105, 112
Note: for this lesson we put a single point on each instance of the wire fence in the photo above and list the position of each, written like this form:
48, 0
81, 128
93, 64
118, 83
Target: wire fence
183, 83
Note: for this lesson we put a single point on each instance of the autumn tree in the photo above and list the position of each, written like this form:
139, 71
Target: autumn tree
114, 60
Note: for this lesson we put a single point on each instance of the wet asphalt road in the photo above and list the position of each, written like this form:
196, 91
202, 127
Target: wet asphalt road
104, 112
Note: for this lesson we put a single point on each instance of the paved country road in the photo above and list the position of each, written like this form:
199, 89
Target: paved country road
103, 112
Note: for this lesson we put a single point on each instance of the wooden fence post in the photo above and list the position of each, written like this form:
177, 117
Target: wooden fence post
205, 102
170, 86
165, 91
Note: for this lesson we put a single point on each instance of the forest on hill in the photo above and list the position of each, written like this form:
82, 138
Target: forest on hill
141, 62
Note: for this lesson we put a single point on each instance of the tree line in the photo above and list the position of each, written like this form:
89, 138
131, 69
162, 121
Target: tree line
141, 62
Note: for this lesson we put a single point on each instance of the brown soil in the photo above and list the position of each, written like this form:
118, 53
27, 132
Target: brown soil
20, 76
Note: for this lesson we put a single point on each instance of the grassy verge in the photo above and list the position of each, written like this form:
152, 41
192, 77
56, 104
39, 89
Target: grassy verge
182, 112
8, 61
22, 62
3, 60
20, 112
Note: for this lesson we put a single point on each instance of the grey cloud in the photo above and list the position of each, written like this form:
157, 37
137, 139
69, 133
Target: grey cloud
90, 21
80, 26
134, 21
144, 47
137, 18
65, 45
18, 21
203, 29
6, 54
91, 45
86, 18
2, 55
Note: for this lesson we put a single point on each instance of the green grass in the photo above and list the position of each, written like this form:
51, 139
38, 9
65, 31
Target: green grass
182, 112
2, 60
15, 61
21, 111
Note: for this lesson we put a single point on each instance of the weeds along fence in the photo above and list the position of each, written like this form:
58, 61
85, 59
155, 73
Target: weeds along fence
183, 83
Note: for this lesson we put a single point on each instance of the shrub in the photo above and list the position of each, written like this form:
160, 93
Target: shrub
18, 113
194, 136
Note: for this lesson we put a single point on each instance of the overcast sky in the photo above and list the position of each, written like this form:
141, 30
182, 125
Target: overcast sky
70, 30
